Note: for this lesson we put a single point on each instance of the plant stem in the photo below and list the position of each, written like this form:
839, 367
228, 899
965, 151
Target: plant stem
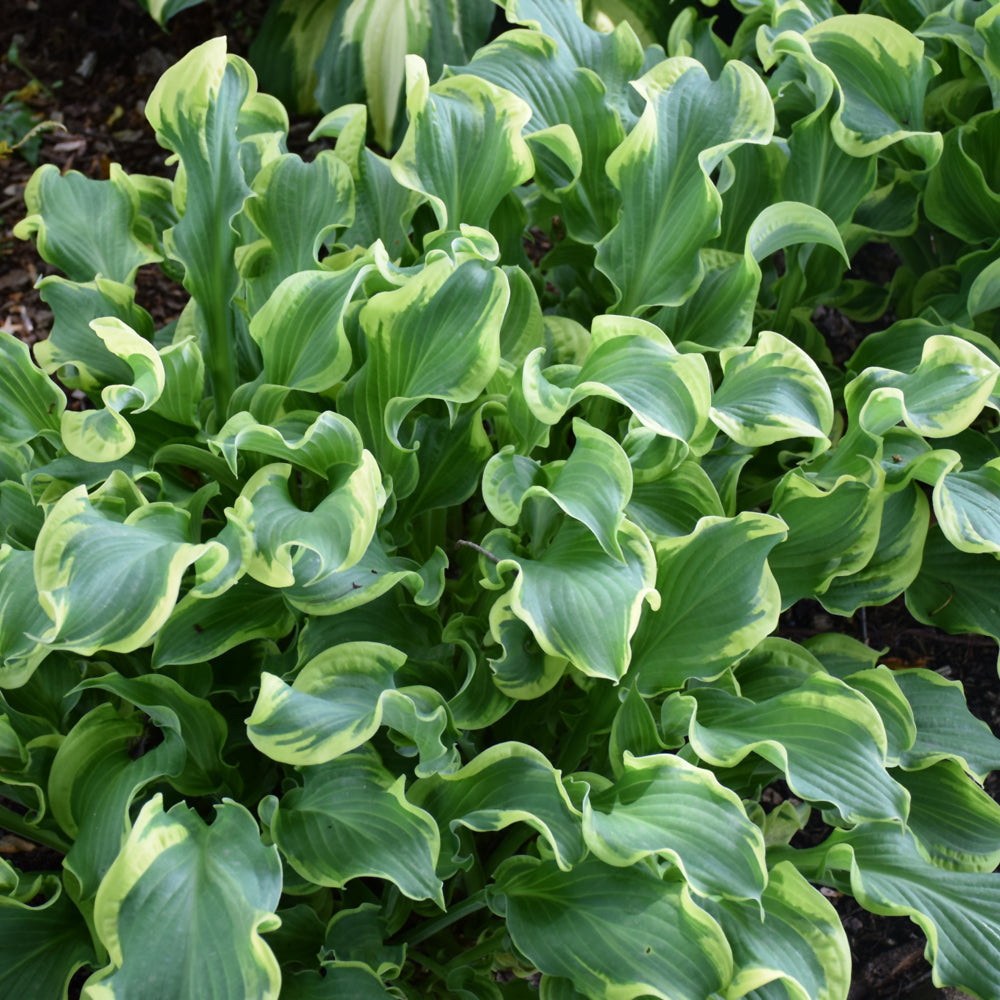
220, 359
456, 913
428, 963
12, 823
791, 292
486, 947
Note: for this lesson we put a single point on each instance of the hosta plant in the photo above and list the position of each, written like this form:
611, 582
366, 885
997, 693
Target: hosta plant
399, 621
321, 54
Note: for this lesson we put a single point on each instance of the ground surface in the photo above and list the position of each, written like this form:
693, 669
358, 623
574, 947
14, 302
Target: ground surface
96, 62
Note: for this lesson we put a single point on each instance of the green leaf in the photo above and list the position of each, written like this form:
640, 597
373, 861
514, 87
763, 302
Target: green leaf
93, 781
832, 533
199, 724
295, 546
215, 886
592, 485
183, 382
665, 806
368, 579
437, 337
881, 73
286, 47
463, 148
801, 943
901, 346
383, 206
670, 208
297, 206
300, 328
339, 979
946, 729
195, 110
525, 670
73, 347
632, 362
41, 943
615, 933
720, 312
162, 10
718, 599
337, 703
579, 602
822, 174
33, 403
450, 457
633, 731
938, 398
896, 560
673, 506
324, 443
791, 223
507, 783
772, 392
879, 686
958, 911
366, 44
955, 590
614, 56
828, 740
21, 618
104, 435
351, 819
199, 630
962, 193
966, 508
984, 293
573, 127
359, 935
88, 229
953, 820
108, 583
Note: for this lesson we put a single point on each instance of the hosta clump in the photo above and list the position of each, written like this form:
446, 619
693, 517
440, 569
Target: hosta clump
398, 621
320, 54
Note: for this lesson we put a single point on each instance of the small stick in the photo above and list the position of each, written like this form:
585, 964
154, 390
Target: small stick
478, 548
931, 614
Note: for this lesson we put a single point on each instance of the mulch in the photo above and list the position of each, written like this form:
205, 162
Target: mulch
90, 66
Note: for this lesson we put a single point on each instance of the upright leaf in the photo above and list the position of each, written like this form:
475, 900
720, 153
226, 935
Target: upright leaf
216, 886
468, 117
718, 599
670, 208
579, 602
437, 337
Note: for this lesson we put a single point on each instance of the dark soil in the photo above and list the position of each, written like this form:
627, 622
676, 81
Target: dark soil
90, 66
